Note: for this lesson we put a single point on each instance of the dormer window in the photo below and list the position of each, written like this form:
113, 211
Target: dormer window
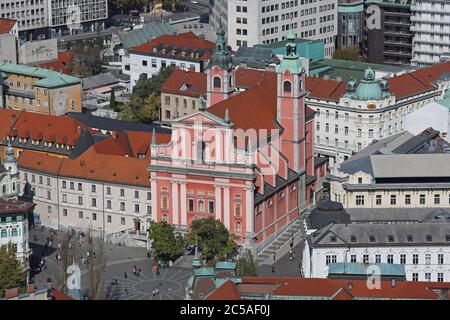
353, 238
391, 238
372, 238
429, 237
333, 239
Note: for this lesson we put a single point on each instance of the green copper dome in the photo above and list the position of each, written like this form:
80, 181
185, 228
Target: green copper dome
222, 55
368, 88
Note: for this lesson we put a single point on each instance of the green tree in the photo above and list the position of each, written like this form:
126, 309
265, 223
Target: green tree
141, 110
246, 265
214, 240
351, 53
146, 87
112, 100
12, 273
87, 58
166, 245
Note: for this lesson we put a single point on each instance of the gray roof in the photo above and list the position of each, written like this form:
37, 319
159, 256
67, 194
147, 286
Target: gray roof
411, 165
255, 57
99, 80
145, 34
327, 212
392, 215
373, 235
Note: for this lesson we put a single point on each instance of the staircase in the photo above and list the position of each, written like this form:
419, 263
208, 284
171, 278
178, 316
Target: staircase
281, 243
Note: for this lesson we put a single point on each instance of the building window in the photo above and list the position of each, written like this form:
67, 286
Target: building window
403, 259
237, 209
149, 210
80, 200
64, 198
164, 202
108, 190
93, 188
72, 186
80, 214
149, 196
415, 259
217, 82
365, 258
378, 200
201, 206
80, 187
191, 205
108, 219
94, 216
49, 195
422, 199
136, 208
390, 258
415, 276
64, 184
65, 212
407, 199
122, 192
330, 259
427, 276
210, 206
427, 258
122, 206
287, 87
437, 199
440, 258
393, 199
93, 202
122, 220
353, 258
440, 277
359, 200
378, 258
136, 194
108, 204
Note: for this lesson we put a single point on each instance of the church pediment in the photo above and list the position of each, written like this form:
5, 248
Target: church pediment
205, 118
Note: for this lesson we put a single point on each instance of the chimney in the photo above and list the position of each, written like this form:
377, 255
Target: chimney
393, 283
350, 286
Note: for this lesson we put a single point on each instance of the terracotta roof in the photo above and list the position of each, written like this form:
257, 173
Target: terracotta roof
247, 78
260, 102
63, 130
418, 81
187, 42
320, 88
111, 147
140, 141
186, 83
7, 119
8, 206
90, 166
39, 162
227, 291
6, 25
59, 64
332, 287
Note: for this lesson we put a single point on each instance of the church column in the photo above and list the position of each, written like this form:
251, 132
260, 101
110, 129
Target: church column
183, 205
175, 204
154, 198
218, 202
227, 211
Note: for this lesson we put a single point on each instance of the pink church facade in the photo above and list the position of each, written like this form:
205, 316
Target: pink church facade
246, 159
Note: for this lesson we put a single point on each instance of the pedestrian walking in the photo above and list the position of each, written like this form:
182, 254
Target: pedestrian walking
134, 270
125, 274
115, 282
126, 290
153, 292
273, 269
157, 291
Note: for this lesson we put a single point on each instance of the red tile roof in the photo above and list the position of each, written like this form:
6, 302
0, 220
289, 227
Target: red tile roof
111, 147
140, 141
195, 81
333, 287
60, 64
7, 119
182, 42
320, 88
14, 206
59, 129
6, 25
90, 166
228, 291
247, 78
418, 81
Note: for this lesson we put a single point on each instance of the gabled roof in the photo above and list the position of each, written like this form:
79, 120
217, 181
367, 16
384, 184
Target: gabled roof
186, 83
320, 88
6, 25
7, 119
179, 43
227, 291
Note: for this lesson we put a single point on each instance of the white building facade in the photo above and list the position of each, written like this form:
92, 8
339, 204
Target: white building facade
430, 24
268, 21
364, 112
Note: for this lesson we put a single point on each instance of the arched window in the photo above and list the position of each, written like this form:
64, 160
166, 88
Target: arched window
238, 228
217, 82
287, 87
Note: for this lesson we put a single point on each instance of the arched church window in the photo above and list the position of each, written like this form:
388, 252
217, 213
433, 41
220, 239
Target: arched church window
287, 87
238, 228
217, 82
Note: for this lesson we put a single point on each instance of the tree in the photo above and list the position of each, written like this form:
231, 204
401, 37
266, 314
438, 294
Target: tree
146, 87
12, 273
112, 100
246, 265
96, 265
166, 245
351, 53
141, 110
214, 240
87, 59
